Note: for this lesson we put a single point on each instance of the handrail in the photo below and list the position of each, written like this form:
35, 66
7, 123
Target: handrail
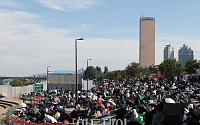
3, 106
14, 119
6, 104
9, 102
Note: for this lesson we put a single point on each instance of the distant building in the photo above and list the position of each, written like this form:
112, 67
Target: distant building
168, 52
185, 53
64, 79
147, 41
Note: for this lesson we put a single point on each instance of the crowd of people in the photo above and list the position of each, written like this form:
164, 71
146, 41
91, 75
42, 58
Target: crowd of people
147, 101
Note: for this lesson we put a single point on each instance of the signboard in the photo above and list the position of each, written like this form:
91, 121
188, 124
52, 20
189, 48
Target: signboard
66, 72
38, 87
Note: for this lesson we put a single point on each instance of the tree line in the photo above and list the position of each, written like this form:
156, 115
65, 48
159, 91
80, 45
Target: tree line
168, 68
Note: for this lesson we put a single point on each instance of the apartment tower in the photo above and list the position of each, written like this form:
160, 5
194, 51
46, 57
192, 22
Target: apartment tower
147, 41
168, 52
184, 54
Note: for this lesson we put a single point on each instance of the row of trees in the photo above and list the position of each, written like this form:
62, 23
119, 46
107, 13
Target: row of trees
169, 68
19, 82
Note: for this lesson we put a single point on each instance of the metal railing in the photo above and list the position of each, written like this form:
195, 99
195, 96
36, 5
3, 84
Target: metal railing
13, 120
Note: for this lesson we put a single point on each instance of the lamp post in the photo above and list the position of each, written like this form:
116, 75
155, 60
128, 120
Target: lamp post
76, 67
48, 73
87, 73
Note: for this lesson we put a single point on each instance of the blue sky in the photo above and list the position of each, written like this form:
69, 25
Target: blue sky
39, 33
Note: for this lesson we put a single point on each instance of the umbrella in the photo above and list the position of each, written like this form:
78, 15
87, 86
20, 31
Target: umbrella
137, 84
69, 110
22, 105
150, 98
89, 91
173, 87
111, 102
142, 108
41, 105
49, 118
18, 110
169, 100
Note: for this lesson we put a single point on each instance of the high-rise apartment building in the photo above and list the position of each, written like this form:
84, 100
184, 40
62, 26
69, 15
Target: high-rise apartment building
185, 53
147, 41
168, 52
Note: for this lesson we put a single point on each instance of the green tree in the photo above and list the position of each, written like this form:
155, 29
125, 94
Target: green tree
105, 69
170, 68
89, 73
98, 70
123, 73
191, 66
145, 71
105, 74
19, 82
116, 74
134, 70
153, 69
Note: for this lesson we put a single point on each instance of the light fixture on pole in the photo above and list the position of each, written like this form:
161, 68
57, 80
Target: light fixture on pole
76, 67
87, 72
48, 74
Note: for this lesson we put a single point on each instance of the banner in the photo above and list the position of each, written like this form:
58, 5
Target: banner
38, 87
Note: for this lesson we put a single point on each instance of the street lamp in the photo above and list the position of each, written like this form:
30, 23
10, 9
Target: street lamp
76, 67
87, 73
47, 74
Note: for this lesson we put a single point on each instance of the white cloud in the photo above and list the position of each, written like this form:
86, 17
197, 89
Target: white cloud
24, 43
2, 48
70, 5
27, 47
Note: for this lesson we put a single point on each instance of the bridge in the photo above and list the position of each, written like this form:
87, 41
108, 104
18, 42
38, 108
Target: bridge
34, 78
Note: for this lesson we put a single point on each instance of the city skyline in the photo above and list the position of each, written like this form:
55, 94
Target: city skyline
39, 33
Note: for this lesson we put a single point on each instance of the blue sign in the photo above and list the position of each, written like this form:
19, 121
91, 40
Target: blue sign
66, 72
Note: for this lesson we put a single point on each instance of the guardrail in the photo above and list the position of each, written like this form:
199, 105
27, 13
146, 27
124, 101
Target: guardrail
13, 120
36, 99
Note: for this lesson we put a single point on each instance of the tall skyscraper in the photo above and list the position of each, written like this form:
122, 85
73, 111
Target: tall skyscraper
185, 53
147, 41
168, 52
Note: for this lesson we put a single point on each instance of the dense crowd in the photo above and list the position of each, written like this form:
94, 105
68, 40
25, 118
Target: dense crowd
146, 101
